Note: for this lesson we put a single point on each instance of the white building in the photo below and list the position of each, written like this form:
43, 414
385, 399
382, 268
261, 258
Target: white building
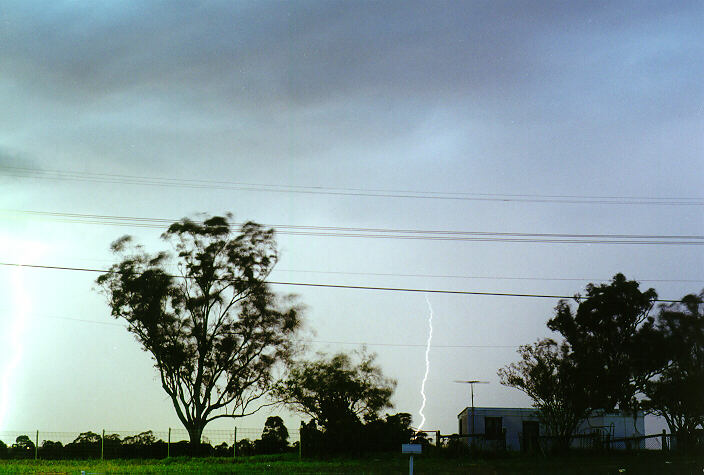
520, 428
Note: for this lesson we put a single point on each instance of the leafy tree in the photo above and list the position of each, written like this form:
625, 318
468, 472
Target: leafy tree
608, 335
50, 449
335, 392
245, 447
388, 434
23, 445
87, 438
678, 393
216, 331
222, 450
422, 439
143, 438
51, 445
549, 376
112, 445
87, 444
274, 436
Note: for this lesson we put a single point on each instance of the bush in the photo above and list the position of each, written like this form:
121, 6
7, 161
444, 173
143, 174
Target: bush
377, 435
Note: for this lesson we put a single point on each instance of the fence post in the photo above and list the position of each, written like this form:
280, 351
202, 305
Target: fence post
168, 445
300, 442
36, 446
102, 445
234, 445
663, 441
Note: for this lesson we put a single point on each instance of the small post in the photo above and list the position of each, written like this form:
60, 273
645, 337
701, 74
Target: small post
36, 446
437, 440
168, 445
234, 445
102, 445
411, 449
663, 441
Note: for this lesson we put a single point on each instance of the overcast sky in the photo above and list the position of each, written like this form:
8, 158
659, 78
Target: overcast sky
504, 105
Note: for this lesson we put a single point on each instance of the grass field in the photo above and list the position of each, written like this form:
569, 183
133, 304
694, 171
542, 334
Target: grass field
655, 463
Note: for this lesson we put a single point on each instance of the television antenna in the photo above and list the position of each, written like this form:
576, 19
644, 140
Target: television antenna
471, 383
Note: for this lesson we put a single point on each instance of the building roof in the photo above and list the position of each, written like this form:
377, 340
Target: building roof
522, 411
527, 411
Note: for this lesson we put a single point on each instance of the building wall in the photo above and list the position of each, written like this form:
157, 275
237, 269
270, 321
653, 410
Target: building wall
615, 425
511, 420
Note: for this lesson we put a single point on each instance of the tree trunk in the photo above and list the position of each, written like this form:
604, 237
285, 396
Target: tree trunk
195, 432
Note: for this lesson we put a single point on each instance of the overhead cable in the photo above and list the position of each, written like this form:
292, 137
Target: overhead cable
72, 175
390, 233
339, 286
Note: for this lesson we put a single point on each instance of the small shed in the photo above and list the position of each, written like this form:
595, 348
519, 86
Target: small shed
514, 428
498, 427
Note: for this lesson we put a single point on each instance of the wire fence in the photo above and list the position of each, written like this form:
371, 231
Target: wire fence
242, 442
590, 442
110, 444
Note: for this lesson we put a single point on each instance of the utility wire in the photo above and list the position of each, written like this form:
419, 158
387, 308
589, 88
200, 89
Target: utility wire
24, 172
480, 277
391, 233
434, 276
337, 286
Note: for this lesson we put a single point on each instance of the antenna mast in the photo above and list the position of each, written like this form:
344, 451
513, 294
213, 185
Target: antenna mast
471, 383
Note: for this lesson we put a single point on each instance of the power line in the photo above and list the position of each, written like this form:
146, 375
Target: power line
392, 233
480, 277
339, 286
24, 172
439, 276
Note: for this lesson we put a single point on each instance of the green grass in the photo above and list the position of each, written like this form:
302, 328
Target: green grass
644, 462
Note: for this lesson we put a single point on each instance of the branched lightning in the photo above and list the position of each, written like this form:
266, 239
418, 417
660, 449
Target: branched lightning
427, 364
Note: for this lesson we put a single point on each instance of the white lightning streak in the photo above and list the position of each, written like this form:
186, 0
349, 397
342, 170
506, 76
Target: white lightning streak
427, 364
13, 347
15, 337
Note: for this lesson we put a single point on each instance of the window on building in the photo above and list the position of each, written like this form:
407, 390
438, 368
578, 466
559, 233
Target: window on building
492, 428
529, 439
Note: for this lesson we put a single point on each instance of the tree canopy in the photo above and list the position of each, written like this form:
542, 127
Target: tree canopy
274, 436
548, 375
215, 330
335, 391
616, 355
677, 393
608, 335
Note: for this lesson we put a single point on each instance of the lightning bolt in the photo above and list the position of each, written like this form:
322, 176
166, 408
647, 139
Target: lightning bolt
13, 347
427, 364
14, 343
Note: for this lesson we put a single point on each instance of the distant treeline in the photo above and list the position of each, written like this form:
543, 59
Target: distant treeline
141, 446
379, 435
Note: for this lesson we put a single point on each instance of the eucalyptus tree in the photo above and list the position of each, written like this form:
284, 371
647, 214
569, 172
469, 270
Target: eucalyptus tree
335, 391
610, 335
207, 316
549, 376
677, 393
